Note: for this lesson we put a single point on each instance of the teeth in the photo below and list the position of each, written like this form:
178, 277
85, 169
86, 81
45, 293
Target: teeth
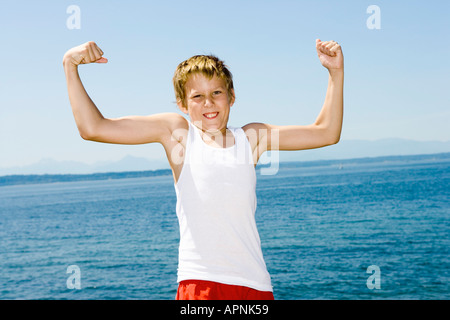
211, 115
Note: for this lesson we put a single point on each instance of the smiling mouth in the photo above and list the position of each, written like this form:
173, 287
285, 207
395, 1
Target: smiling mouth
210, 115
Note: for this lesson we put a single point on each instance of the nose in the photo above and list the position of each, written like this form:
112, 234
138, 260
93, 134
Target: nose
209, 102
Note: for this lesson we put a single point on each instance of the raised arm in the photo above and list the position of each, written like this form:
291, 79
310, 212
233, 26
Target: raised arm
326, 130
91, 123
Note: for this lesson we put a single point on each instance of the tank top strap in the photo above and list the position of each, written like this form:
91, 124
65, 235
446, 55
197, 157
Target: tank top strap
243, 147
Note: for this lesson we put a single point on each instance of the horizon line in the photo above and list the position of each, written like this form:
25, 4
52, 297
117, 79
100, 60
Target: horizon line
368, 158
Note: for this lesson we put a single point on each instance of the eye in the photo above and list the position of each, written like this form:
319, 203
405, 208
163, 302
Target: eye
217, 92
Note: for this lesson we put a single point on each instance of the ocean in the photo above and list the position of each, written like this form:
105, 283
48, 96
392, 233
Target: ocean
351, 229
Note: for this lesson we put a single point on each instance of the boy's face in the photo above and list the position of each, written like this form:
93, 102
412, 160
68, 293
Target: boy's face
208, 103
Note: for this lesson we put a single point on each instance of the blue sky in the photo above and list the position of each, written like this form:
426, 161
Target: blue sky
396, 78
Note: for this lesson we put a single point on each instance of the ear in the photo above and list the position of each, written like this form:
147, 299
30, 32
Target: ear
182, 107
232, 98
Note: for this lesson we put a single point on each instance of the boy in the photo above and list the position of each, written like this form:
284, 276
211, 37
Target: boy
213, 165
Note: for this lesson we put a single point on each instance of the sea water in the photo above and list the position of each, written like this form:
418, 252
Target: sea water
350, 230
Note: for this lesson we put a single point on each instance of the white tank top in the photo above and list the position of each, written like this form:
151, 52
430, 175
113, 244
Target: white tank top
216, 203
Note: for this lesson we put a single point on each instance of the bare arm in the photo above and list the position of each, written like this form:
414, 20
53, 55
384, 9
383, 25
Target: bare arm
91, 123
325, 130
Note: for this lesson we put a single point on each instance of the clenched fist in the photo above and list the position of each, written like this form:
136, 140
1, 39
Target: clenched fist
330, 54
86, 53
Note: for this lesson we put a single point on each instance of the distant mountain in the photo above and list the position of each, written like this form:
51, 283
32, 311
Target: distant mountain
346, 149
51, 166
130, 163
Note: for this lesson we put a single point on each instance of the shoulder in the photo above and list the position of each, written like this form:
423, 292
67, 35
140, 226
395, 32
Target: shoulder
173, 120
256, 130
177, 125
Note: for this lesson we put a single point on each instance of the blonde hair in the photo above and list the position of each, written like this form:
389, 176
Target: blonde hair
208, 65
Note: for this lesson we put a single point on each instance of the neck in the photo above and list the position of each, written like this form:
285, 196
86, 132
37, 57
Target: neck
218, 138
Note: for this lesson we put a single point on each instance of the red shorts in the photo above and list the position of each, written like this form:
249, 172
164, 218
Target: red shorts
209, 290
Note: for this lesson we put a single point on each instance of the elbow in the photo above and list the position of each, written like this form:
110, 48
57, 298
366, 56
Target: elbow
334, 134
91, 131
86, 134
330, 142
329, 136
335, 139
